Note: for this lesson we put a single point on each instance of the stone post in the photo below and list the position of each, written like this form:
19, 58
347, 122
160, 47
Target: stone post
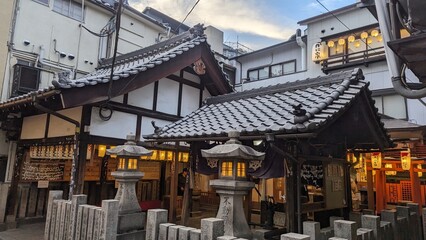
294, 236
184, 233
76, 201
163, 233
110, 222
391, 217
211, 228
415, 219
345, 229
53, 195
154, 219
365, 234
372, 222
312, 229
226, 238
403, 216
174, 232
195, 234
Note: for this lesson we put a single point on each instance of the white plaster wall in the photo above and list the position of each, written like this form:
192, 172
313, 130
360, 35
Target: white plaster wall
190, 100
59, 127
33, 127
214, 38
191, 77
119, 126
206, 94
168, 96
142, 97
416, 111
147, 128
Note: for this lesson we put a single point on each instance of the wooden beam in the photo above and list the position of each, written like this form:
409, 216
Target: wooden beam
415, 187
380, 191
184, 81
370, 190
174, 185
143, 112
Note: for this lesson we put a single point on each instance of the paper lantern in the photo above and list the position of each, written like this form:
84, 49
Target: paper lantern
351, 38
330, 44
364, 35
375, 33
369, 40
406, 159
376, 160
357, 43
101, 150
341, 42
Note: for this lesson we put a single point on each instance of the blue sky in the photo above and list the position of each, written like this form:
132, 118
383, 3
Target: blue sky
254, 23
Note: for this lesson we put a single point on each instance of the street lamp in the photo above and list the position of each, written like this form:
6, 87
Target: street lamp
232, 185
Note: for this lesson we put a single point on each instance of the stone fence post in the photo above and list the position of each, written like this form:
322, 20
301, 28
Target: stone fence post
53, 195
110, 219
345, 229
212, 228
294, 236
155, 217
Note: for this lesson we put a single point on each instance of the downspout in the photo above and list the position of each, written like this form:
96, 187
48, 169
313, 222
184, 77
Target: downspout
76, 140
302, 46
397, 81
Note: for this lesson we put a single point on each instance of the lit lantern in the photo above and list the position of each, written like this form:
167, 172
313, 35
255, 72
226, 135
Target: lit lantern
379, 38
162, 155
330, 44
351, 38
319, 52
101, 150
419, 166
169, 155
375, 33
364, 35
406, 159
184, 157
376, 160
357, 44
128, 174
341, 42
233, 158
369, 40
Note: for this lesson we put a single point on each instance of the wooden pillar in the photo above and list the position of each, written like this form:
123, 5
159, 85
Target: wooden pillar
380, 191
174, 185
13, 199
415, 187
370, 190
291, 217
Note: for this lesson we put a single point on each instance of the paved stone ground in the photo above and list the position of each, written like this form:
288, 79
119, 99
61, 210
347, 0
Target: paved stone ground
33, 231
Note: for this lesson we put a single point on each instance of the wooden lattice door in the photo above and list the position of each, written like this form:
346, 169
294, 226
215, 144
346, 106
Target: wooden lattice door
406, 190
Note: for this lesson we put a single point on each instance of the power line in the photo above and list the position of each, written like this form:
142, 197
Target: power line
190, 11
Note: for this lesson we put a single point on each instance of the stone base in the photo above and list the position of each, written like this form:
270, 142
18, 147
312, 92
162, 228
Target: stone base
131, 222
136, 235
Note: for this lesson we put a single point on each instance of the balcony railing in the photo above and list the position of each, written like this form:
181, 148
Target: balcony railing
352, 59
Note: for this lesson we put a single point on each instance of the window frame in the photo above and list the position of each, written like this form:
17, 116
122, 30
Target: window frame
269, 67
42, 2
71, 3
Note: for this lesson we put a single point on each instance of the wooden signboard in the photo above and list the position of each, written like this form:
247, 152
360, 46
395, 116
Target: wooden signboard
151, 169
34, 171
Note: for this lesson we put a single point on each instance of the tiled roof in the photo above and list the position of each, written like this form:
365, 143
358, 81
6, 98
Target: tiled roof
296, 107
26, 98
138, 61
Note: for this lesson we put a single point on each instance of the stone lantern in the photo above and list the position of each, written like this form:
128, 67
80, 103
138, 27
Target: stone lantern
130, 217
232, 185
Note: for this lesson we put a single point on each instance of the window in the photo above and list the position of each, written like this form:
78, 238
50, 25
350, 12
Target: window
273, 71
45, 2
392, 106
69, 8
226, 169
241, 169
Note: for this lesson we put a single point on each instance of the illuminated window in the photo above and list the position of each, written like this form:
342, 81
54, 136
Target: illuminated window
241, 169
121, 163
226, 169
132, 164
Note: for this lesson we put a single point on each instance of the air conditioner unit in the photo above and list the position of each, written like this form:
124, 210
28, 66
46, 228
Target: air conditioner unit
25, 80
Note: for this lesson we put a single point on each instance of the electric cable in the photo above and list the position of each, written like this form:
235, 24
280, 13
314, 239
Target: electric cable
190, 11
97, 34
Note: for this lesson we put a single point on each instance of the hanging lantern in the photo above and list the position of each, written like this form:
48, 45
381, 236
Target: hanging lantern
330, 44
376, 160
341, 42
420, 174
369, 40
351, 38
101, 150
406, 159
379, 38
375, 33
357, 44
169, 155
364, 35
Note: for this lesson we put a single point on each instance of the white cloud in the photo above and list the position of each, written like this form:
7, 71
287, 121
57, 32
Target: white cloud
329, 4
243, 16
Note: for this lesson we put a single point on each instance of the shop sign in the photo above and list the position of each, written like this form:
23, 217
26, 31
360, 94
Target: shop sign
318, 52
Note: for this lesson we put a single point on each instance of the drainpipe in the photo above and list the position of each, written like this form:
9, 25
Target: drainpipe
397, 80
302, 46
76, 139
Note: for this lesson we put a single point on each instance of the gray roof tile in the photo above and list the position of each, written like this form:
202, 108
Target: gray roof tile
272, 109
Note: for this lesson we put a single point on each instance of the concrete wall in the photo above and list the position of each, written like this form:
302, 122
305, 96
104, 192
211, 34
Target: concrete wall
6, 10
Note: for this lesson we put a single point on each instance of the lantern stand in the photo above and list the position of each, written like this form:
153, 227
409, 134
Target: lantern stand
130, 216
232, 185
